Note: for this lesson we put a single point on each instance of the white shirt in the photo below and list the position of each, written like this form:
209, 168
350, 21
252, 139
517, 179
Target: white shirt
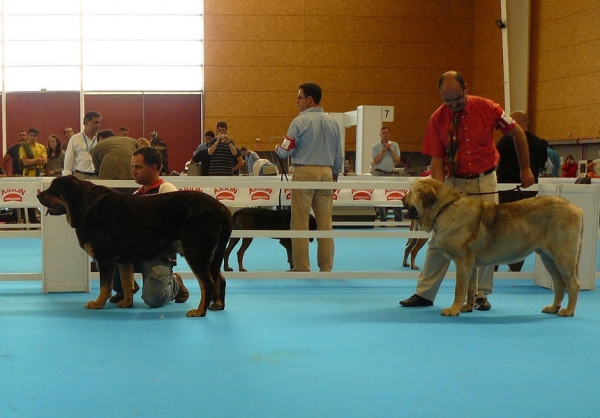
77, 156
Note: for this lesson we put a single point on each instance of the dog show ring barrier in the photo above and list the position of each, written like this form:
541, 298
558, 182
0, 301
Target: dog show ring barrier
72, 273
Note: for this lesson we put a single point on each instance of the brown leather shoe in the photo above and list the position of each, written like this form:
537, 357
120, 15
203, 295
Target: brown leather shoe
183, 293
118, 297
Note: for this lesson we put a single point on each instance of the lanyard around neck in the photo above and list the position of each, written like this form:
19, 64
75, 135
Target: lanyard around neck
85, 139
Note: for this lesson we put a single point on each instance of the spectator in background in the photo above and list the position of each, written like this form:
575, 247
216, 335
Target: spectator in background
386, 155
55, 156
112, 156
570, 167
67, 133
33, 155
222, 151
123, 132
553, 163
508, 169
12, 154
593, 168
204, 145
251, 157
78, 160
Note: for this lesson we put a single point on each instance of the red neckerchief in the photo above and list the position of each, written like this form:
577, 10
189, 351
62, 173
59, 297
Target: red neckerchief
152, 190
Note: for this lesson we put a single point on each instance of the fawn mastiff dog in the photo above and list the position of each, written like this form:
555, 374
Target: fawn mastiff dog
117, 229
473, 233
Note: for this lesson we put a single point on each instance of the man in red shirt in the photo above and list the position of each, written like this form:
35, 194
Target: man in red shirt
460, 141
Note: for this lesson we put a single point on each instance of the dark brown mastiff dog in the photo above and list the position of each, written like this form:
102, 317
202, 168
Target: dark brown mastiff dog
117, 229
474, 233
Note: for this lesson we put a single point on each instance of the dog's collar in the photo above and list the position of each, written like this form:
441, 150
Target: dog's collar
441, 210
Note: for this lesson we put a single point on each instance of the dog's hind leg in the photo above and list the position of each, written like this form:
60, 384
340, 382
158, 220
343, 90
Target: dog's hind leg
127, 283
232, 243
557, 281
240, 254
415, 250
287, 244
199, 261
107, 271
410, 244
218, 301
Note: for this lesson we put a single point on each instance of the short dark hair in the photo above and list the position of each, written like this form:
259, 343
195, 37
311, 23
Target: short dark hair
384, 127
106, 133
221, 125
209, 134
456, 75
243, 149
89, 115
34, 130
312, 90
124, 129
151, 157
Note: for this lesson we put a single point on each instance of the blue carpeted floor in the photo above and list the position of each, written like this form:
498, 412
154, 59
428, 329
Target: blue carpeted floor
298, 348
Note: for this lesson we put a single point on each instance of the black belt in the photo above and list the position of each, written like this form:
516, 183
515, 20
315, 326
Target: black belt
474, 176
87, 174
387, 173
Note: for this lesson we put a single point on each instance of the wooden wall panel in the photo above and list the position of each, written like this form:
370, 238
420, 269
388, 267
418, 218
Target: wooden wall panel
389, 52
565, 51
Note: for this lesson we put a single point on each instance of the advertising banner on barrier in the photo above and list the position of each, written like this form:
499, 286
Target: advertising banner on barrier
18, 194
270, 196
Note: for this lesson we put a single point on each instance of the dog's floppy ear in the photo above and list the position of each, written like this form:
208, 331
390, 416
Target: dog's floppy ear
428, 196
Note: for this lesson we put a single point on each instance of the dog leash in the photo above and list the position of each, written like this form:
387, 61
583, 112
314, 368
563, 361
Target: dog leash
283, 174
515, 189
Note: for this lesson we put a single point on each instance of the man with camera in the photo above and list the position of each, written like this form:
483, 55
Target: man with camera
222, 150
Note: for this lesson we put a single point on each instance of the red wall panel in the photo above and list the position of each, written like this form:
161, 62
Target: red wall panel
49, 112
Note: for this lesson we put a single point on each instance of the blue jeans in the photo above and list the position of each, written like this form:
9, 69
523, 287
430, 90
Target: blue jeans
159, 286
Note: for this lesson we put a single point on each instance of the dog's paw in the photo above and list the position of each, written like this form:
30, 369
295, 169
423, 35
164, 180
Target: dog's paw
405, 264
566, 312
450, 312
124, 304
195, 313
467, 308
227, 269
92, 304
551, 309
243, 270
414, 267
216, 306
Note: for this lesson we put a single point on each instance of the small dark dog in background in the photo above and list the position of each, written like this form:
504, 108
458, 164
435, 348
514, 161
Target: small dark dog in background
262, 219
413, 245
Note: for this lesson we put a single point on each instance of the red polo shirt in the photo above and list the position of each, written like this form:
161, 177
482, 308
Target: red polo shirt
476, 148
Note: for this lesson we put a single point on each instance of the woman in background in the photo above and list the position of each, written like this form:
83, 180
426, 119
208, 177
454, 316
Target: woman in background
56, 157
569, 168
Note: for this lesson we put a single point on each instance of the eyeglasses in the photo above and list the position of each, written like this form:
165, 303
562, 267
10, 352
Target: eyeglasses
456, 100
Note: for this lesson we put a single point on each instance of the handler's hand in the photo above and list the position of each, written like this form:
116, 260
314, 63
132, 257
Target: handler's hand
527, 178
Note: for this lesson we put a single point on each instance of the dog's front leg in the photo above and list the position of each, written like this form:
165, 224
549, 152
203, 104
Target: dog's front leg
126, 273
464, 269
107, 270
471, 292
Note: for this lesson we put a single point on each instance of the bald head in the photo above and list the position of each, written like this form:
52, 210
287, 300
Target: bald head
453, 88
521, 118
